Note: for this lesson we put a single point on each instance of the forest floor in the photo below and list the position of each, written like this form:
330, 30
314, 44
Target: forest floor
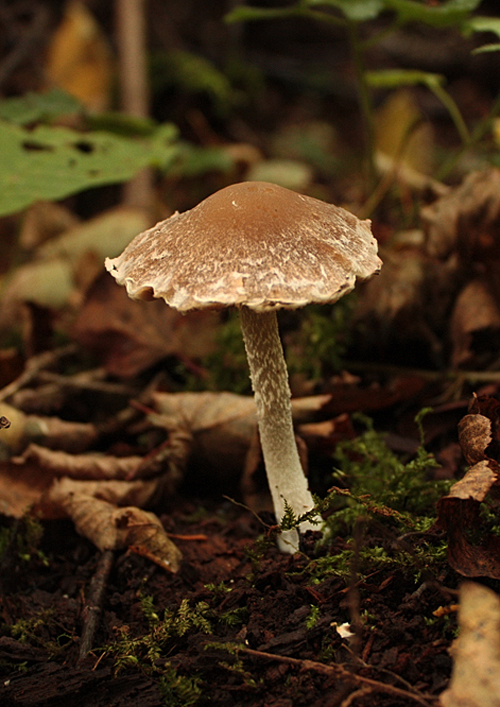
235, 626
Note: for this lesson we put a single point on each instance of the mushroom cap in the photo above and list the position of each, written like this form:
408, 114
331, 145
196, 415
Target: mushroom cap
254, 244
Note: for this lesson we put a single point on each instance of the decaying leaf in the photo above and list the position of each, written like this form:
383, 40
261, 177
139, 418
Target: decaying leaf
459, 511
475, 310
51, 503
21, 488
91, 466
466, 219
52, 432
222, 425
112, 528
475, 680
130, 335
403, 310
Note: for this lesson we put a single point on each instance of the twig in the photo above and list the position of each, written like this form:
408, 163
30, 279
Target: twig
340, 671
93, 606
362, 692
88, 380
33, 367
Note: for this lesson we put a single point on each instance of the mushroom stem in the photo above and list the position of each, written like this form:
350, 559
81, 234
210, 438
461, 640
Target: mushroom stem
269, 376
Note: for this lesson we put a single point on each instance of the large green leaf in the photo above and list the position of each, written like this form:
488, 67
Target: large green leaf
54, 162
450, 13
37, 107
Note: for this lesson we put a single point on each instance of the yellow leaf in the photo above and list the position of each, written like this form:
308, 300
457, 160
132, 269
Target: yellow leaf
79, 58
401, 133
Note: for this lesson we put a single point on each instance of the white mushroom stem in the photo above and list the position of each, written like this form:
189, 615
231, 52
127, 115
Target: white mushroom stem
269, 376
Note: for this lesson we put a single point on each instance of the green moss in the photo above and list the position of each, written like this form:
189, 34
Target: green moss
35, 631
146, 650
23, 539
179, 690
384, 519
317, 348
313, 617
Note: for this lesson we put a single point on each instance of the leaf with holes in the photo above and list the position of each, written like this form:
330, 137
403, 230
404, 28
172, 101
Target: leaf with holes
54, 162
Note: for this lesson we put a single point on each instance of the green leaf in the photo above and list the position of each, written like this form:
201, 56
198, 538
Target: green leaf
54, 162
484, 24
445, 14
395, 78
355, 10
487, 48
38, 107
251, 14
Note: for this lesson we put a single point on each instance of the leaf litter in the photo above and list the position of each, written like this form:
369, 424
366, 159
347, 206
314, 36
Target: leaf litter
231, 614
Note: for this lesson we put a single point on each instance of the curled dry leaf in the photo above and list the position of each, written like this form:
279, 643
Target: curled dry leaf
79, 466
474, 435
459, 511
223, 425
475, 680
48, 431
112, 528
117, 493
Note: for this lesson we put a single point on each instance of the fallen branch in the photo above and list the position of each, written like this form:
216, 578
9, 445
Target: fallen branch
93, 606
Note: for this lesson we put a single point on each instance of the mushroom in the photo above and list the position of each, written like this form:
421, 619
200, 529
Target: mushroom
259, 247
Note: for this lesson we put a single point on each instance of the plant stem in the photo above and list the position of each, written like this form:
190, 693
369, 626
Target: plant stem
365, 102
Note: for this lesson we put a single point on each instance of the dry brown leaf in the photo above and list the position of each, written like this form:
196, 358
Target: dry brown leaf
404, 308
130, 335
475, 309
477, 482
25, 485
79, 59
118, 493
49, 431
90, 466
112, 528
474, 435
475, 680
21, 488
459, 511
466, 219
222, 425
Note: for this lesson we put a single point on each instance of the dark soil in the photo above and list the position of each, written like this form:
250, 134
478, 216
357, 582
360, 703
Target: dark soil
276, 608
